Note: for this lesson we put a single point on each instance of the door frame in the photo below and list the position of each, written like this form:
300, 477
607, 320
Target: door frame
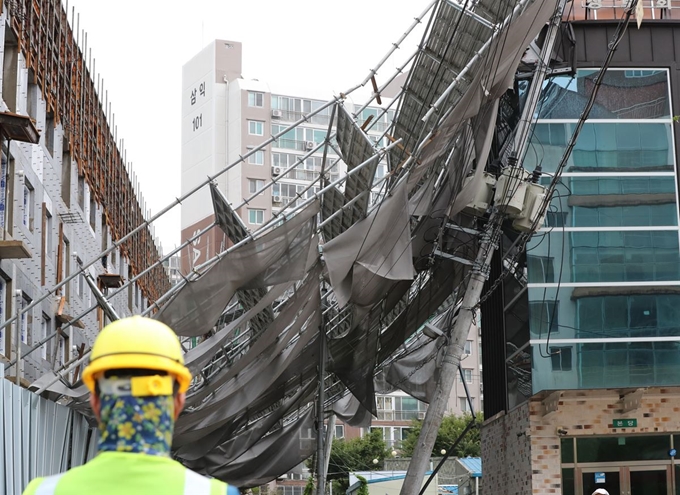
624, 469
659, 467
602, 468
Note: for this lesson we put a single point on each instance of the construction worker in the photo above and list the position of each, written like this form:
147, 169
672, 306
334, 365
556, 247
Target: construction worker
137, 381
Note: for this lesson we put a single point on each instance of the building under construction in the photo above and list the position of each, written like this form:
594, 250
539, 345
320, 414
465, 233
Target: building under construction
66, 196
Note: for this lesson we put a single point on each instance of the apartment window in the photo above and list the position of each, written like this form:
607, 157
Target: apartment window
467, 373
49, 133
105, 232
81, 192
255, 99
290, 490
29, 205
80, 279
93, 212
255, 185
255, 128
23, 322
339, 431
468, 348
255, 217
560, 358
61, 351
10, 70
45, 330
400, 434
256, 158
67, 267
66, 174
464, 405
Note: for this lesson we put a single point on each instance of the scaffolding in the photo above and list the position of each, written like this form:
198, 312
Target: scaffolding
411, 260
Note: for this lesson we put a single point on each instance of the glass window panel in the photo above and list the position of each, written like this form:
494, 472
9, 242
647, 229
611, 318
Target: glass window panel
543, 316
567, 450
610, 365
568, 484
584, 313
621, 448
625, 201
598, 148
621, 96
409, 404
590, 365
610, 256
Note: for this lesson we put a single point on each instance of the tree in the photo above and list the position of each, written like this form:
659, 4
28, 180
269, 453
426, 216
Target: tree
450, 429
356, 454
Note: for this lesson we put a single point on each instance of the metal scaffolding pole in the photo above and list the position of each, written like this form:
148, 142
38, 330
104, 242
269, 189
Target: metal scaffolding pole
320, 457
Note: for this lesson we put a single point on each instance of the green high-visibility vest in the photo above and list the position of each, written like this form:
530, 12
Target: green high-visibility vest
120, 473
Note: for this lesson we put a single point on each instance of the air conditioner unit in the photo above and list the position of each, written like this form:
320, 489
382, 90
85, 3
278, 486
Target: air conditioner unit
276, 171
276, 199
421, 414
309, 145
277, 114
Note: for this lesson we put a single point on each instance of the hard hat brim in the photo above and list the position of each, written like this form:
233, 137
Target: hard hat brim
136, 361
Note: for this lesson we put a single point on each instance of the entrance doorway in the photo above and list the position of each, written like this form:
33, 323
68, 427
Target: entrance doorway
626, 480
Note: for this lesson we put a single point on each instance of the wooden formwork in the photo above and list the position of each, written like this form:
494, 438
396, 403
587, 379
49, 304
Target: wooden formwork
61, 72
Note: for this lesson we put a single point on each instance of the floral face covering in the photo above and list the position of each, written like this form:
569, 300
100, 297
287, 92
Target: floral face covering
142, 425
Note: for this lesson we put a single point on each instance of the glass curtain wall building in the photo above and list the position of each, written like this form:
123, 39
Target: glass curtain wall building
604, 271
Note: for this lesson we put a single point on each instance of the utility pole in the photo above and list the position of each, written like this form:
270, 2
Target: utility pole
479, 274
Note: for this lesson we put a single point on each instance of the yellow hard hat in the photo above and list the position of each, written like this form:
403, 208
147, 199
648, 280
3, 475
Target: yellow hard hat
137, 343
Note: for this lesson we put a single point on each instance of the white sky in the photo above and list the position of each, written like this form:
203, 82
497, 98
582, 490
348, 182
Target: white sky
140, 47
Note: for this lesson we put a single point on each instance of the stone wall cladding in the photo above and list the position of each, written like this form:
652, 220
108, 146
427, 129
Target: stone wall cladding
506, 453
591, 412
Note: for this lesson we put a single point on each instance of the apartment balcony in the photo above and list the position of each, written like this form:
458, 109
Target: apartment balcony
392, 415
290, 116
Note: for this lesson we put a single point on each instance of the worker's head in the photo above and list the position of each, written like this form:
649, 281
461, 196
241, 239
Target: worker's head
136, 376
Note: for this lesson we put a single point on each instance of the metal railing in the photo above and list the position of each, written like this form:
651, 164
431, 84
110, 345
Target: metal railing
291, 116
396, 415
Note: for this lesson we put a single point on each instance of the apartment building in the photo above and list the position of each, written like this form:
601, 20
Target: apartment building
225, 117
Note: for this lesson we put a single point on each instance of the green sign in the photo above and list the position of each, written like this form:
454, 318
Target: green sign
624, 423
